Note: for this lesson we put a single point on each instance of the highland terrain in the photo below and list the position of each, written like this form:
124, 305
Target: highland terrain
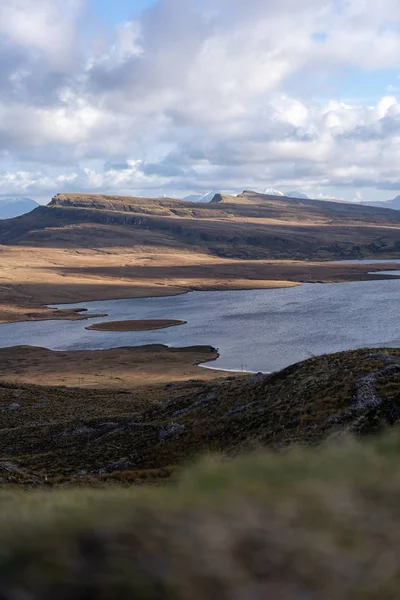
87, 247
297, 491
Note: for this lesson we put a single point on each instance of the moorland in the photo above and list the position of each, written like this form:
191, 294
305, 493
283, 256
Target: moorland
297, 491
88, 247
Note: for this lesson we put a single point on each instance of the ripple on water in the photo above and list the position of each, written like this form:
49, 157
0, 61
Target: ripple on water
261, 330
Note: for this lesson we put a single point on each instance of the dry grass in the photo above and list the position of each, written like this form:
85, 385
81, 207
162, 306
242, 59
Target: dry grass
88, 437
118, 368
300, 524
315, 524
31, 277
86, 247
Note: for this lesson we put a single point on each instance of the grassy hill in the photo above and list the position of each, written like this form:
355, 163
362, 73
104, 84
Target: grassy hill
83, 436
250, 226
314, 523
302, 525
278, 514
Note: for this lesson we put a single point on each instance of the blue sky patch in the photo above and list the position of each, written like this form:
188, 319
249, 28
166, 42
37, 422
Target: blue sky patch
115, 11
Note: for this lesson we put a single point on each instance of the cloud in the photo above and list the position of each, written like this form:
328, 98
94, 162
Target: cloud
45, 27
358, 198
195, 96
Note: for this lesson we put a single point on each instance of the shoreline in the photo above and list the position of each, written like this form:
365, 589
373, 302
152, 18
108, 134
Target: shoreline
126, 367
233, 371
374, 276
209, 362
355, 272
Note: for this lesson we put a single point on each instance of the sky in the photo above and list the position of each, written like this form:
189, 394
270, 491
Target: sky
114, 12
181, 97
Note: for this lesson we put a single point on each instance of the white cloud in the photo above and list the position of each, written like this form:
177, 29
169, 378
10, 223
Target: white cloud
45, 27
195, 96
320, 196
358, 198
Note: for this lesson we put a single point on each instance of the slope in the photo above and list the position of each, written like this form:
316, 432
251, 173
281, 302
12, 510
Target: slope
250, 226
85, 436
303, 525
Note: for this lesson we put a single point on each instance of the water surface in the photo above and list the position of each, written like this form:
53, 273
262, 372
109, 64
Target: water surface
257, 330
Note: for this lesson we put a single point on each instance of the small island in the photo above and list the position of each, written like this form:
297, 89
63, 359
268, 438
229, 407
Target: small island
139, 325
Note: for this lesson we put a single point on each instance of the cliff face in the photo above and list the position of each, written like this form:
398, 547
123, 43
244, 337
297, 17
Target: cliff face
250, 226
155, 206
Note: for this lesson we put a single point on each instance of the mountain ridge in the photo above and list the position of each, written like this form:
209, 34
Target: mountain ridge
15, 207
250, 225
393, 204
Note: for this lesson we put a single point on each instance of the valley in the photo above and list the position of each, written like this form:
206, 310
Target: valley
100, 436
111, 404
199, 300
87, 247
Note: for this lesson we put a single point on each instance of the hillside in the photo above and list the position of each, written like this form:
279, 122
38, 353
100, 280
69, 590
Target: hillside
250, 226
308, 524
135, 434
241, 487
88, 247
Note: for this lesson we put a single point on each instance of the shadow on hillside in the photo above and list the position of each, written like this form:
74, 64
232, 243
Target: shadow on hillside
249, 270
231, 236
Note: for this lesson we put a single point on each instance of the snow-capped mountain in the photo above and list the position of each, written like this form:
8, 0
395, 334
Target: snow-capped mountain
272, 192
292, 194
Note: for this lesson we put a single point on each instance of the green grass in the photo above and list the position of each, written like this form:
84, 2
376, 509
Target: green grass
309, 523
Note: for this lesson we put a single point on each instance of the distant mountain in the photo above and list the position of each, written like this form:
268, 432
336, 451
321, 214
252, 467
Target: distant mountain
200, 197
293, 194
393, 204
272, 192
297, 194
15, 207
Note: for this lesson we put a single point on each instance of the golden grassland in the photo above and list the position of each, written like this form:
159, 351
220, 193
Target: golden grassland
118, 368
32, 277
90, 247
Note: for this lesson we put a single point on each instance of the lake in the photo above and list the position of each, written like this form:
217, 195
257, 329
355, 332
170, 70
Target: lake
257, 330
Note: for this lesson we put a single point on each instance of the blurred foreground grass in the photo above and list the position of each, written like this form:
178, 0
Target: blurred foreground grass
319, 523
